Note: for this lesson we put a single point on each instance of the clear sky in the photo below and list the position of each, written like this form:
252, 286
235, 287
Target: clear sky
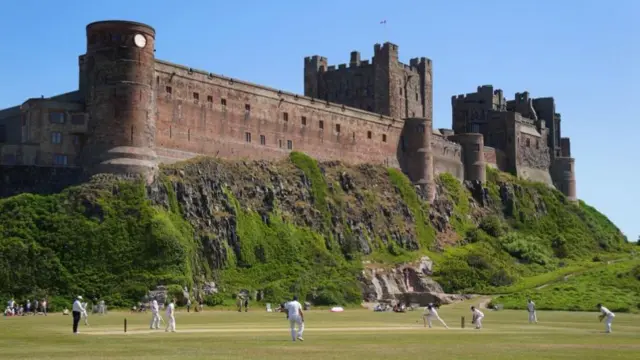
584, 53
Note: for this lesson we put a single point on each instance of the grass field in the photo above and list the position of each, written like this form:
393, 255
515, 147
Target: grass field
354, 334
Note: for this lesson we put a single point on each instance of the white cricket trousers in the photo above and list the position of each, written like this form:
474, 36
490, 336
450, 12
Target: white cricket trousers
155, 320
171, 324
533, 318
431, 317
479, 322
293, 321
607, 323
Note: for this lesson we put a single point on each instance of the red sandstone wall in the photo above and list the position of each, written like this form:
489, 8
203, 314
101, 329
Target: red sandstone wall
447, 157
186, 125
495, 158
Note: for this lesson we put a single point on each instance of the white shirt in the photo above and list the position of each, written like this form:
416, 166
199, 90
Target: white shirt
293, 307
431, 312
478, 313
154, 306
170, 309
77, 306
531, 306
605, 311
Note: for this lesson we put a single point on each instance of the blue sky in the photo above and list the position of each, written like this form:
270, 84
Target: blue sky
586, 54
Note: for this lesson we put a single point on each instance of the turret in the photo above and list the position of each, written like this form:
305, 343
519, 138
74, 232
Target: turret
472, 156
119, 67
565, 177
418, 162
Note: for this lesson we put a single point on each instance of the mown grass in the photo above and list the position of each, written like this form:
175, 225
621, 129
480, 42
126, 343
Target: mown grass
349, 335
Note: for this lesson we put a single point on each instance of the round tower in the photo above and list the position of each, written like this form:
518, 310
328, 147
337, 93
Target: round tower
472, 144
565, 168
418, 155
120, 98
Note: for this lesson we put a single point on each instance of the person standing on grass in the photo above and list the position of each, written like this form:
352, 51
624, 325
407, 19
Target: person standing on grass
155, 315
44, 306
531, 306
606, 313
431, 313
189, 305
477, 317
171, 314
295, 317
77, 312
85, 315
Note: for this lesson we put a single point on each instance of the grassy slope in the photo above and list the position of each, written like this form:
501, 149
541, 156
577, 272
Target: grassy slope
93, 233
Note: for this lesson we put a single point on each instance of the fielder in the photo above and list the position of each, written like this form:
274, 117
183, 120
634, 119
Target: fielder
171, 314
295, 317
531, 306
430, 313
85, 315
477, 317
606, 313
155, 315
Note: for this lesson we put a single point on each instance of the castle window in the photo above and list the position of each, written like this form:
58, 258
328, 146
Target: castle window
537, 144
368, 134
59, 159
413, 114
223, 102
263, 140
369, 108
196, 96
421, 128
528, 142
56, 117
247, 107
56, 137
77, 119
384, 137
417, 97
400, 91
289, 144
285, 116
280, 143
337, 128
304, 120
168, 89
209, 98
321, 124
247, 137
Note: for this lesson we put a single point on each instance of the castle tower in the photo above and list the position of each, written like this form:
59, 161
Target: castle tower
418, 157
119, 70
472, 156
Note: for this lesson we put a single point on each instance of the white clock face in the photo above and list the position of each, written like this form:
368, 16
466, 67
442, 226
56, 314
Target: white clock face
140, 40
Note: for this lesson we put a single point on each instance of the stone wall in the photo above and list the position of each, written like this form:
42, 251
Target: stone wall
447, 157
208, 114
495, 158
35, 179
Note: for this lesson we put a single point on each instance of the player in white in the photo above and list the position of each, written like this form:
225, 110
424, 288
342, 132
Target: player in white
295, 317
608, 315
531, 306
477, 317
85, 315
155, 315
171, 314
431, 313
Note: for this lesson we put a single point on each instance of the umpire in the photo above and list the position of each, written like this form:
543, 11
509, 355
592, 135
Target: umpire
77, 312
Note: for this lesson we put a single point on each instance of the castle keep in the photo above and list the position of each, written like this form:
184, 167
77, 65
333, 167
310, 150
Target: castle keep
132, 111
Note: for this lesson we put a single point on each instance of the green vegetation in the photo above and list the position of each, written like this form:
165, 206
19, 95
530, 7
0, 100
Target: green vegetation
99, 240
107, 239
616, 285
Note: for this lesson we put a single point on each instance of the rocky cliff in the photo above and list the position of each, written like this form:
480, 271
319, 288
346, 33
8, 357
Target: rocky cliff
328, 231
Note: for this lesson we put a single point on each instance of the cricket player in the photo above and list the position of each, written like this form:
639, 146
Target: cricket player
477, 317
77, 312
295, 316
171, 314
431, 313
608, 315
155, 315
531, 306
85, 315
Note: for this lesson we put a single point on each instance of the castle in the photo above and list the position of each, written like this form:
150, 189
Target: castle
132, 112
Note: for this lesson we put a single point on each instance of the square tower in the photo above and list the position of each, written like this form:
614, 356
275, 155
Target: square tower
384, 86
